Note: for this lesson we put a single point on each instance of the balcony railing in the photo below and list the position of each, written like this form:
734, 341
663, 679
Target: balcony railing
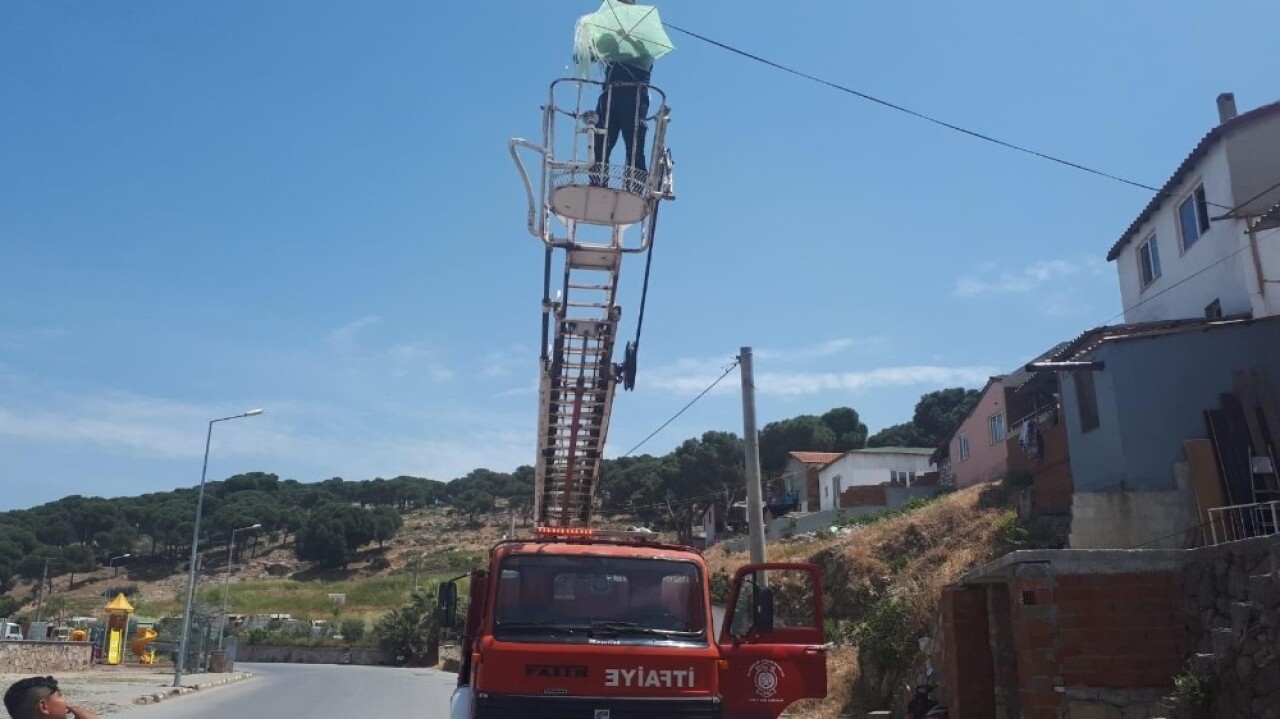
1244, 521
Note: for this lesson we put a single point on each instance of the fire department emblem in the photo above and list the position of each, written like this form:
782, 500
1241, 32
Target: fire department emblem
602, 714
765, 676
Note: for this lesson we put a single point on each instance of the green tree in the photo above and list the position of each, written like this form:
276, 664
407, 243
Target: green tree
937, 414
848, 428
936, 417
118, 540
806, 433
693, 477
386, 522
898, 435
472, 502
333, 533
78, 559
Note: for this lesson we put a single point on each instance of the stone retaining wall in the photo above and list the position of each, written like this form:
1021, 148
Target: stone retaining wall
310, 655
35, 657
1233, 607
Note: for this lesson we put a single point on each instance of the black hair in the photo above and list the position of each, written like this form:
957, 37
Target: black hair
21, 698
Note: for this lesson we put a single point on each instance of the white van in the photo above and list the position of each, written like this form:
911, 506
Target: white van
10, 631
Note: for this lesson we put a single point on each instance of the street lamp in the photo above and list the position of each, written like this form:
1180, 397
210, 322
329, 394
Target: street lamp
112, 564
226, 584
195, 544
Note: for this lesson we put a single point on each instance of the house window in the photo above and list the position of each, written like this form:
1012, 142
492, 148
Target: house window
1213, 310
1087, 400
1149, 261
995, 425
962, 446
1193, 217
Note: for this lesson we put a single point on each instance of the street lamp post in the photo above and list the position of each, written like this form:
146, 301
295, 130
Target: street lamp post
195, 545
226, 584
112, 564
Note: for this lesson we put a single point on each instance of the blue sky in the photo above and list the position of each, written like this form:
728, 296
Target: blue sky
308, 206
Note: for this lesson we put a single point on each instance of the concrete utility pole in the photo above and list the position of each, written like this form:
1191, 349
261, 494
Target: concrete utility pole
751, 443
44, 577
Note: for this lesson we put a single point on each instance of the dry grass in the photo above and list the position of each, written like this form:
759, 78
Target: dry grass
912, 557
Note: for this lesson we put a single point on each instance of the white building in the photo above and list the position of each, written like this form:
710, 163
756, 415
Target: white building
1202, 247
873, 466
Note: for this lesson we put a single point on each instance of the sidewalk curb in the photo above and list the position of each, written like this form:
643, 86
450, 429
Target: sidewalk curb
179, 691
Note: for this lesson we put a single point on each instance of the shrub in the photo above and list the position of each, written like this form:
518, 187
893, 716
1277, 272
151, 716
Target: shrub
720, 584
1009, 532
352, 629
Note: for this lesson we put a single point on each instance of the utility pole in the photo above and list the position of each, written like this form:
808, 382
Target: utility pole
512, 512
751, 443
44, 577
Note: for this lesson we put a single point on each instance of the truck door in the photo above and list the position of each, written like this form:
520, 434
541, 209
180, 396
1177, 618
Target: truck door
772, 640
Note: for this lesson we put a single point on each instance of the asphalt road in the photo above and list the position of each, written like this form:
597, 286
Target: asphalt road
316, 691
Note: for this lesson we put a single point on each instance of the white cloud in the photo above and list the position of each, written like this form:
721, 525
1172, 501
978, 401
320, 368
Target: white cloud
407, 359
344, 338
829, 348
503, 362
294, 439
988, 280
790, 384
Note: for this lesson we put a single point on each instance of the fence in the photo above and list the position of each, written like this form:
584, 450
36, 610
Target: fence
1244, 521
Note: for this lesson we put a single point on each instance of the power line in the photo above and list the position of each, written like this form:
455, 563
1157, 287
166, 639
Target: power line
922, 116
676, 416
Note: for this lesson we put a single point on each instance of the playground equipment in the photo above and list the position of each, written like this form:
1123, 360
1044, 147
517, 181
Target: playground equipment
141, 643
118, 612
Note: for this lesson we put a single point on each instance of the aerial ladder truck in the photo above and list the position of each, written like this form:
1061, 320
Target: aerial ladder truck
578, 622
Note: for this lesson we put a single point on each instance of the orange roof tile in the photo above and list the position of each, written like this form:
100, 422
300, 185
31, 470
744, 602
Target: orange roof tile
817, 457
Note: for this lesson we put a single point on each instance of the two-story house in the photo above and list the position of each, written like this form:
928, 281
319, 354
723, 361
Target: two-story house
1208, 244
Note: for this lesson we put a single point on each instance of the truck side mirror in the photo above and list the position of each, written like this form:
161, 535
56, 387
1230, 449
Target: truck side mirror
763, 610
448, 603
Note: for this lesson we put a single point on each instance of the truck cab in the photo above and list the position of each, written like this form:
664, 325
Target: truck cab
575, 623
10, 631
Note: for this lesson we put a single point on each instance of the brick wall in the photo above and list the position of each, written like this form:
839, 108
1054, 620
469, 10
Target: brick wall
1036, 646
860, 496
967, 664
1121, 630
1051, 473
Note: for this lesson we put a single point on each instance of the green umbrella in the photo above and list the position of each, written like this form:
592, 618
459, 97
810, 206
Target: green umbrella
619, 32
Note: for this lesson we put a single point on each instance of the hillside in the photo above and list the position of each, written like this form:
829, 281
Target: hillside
883, 581
271, 579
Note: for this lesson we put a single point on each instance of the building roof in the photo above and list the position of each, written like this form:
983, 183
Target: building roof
1268, 220
823, 458
1187, 167
893, 450
1089, 340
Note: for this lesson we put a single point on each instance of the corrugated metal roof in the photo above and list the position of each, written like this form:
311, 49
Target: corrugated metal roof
1197, 153
1268, 220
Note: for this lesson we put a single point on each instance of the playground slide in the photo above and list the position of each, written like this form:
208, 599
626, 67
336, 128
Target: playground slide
138, 646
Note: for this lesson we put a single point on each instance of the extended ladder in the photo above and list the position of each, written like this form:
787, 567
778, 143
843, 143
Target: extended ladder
584, 211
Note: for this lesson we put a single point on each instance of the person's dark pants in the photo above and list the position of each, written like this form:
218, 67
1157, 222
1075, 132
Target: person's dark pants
623, 111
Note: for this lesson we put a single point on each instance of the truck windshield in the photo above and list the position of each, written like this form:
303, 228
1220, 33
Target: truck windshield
581, 599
